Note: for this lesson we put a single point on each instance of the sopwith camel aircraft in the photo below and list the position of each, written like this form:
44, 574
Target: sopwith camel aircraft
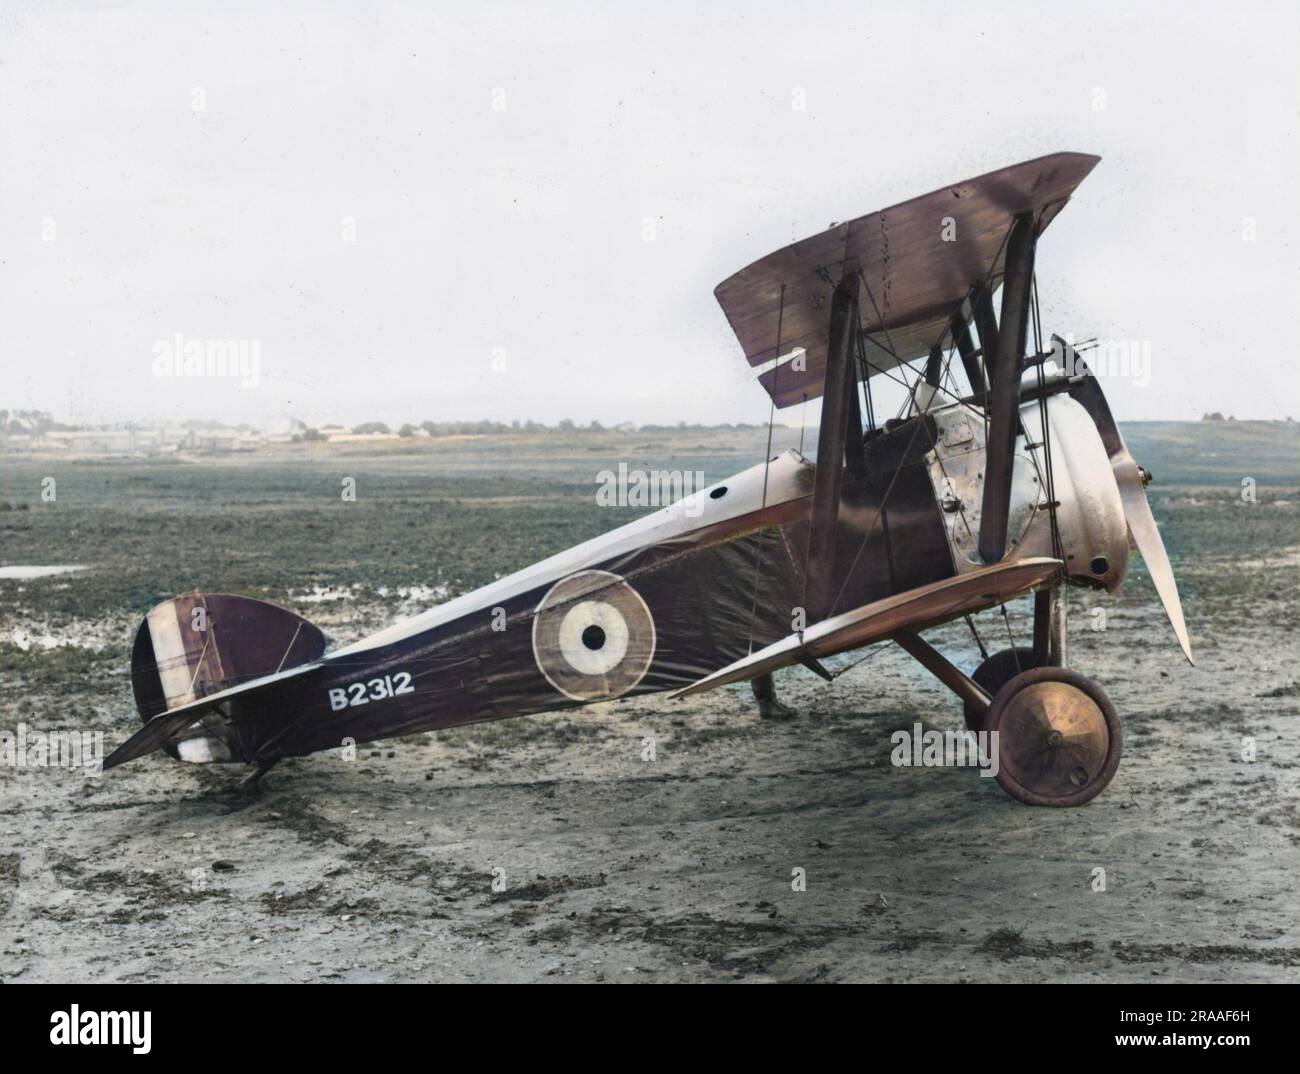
1004, 475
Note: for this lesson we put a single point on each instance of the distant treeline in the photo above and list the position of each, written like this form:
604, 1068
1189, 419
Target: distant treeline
16, 422
501, 428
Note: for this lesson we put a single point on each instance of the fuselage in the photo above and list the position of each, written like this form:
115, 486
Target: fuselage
671, 597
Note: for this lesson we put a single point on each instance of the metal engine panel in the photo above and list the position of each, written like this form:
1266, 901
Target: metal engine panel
1090, 518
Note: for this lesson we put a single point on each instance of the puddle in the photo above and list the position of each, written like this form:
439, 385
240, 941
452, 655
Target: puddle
422, 594
42, 635
27, 572
323, 594
419, 594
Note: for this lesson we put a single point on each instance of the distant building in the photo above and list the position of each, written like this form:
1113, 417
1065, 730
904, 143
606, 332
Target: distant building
294, 430
217, 440
94, 441
346, 437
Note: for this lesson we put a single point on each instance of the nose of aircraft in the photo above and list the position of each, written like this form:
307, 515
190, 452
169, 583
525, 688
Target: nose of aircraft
1132, 480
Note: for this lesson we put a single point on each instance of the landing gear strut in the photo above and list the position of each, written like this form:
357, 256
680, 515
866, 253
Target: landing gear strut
1059, 737
1048, 651
998, 670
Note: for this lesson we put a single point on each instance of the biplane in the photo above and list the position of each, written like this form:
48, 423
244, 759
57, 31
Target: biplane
1004, 475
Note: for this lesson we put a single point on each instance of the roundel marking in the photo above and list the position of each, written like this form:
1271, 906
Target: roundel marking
593, 636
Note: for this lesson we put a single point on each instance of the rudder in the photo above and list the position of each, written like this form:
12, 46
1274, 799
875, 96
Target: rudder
200, 644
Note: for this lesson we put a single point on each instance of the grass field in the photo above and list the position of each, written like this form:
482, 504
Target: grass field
619, 869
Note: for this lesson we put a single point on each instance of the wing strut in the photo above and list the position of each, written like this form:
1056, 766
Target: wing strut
934, 366
969, 359
1004, 393
986, 321
837, 437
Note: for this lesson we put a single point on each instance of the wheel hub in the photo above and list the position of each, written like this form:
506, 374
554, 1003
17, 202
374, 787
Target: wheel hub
1053, 738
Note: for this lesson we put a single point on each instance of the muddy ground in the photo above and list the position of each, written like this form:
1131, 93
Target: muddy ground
615, 867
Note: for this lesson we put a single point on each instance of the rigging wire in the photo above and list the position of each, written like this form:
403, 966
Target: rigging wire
865, 376
1011, 641
873, 652
876, 518
984, 653
767, 466
1048, 477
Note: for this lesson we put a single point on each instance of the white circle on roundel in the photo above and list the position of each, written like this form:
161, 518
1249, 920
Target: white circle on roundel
593, 637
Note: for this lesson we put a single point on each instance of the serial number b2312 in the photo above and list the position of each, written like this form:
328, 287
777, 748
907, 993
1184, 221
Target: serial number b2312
362, 693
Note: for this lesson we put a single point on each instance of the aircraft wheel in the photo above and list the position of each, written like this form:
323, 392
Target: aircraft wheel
1059, 737
998, 670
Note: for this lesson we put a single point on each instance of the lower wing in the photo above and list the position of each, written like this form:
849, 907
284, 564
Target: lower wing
929, 605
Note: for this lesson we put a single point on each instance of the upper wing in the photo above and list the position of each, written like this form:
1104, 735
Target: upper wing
930, 604
918, 262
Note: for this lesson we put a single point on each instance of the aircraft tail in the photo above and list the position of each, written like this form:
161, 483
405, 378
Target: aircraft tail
194, 655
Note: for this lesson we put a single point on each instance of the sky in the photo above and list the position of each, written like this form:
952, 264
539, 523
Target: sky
516, 211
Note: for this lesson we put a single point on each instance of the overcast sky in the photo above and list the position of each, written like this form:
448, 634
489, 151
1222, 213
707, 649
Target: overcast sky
438, 211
